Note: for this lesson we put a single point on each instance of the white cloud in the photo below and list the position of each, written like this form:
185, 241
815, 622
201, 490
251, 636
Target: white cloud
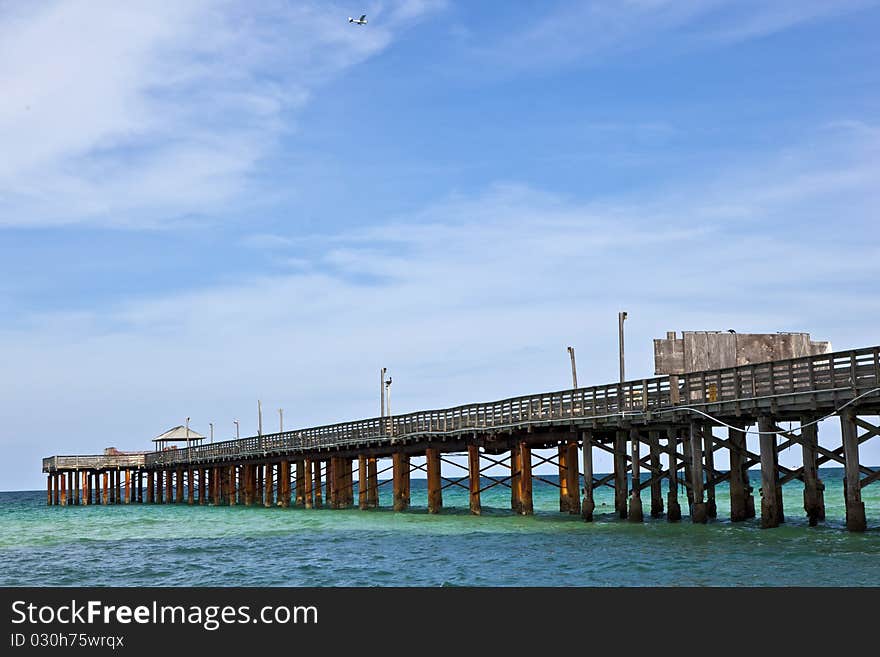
475, 298
138, 113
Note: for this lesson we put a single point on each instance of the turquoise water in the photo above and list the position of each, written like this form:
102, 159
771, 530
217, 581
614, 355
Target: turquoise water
235, 546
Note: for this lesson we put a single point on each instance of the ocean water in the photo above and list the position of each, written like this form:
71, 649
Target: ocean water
173, 545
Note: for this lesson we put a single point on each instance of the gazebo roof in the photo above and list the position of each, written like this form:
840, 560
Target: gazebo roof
178, 434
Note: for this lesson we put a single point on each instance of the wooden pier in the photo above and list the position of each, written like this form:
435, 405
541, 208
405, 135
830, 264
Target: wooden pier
681, 421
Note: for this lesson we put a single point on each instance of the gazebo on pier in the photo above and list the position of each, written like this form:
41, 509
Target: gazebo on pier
179, 434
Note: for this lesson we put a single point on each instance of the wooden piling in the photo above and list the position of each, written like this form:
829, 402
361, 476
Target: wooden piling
515, 479
373, 485
698, 507
852, 489
233, 486
85, 487
740, 488
140, 486
561, 459
589, 503
333, 487
49, 490
814, 489
656, 473
636, 513
169, 486
308, 496
709, 460
126, 497
190, 487
63, 489
151, 492
572, 475
285, 483
300, 484
474, 479
317, 489
118, 487
363, 482
771, 492
435, 494
620, 496
400, 468
269, 497
526, 501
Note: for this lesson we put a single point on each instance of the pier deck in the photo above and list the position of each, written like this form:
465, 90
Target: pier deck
673, 419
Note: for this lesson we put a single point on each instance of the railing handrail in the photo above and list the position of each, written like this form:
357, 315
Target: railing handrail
638, 395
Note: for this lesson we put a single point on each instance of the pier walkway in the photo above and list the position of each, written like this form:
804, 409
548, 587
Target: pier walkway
661, 429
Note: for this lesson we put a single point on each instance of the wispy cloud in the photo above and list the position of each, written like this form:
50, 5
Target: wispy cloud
585, 32
141, 113
474, 298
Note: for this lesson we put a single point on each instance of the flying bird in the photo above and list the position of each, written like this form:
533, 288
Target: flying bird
358, 21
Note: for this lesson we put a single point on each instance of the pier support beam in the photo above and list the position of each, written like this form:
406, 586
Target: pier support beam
56, 489
526, 502
308, 495
814, 489
63, 490
400, 469
698, 507
709, 459
363, 482
347, 482
852, 485
300, 484
474, 479
85, 487
178, 486
572, 475
317, 488
635, 499
126, 498
435, 494
285, 484
269, 495
373, 483
169, 487
562, 461
515, 479
190, 487
620, 495
656, 470
589, 503
160, 488
105, 485
771, 492
742, 504
49, 490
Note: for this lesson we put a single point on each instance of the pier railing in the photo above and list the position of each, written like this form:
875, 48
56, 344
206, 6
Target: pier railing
94, 462
855, 371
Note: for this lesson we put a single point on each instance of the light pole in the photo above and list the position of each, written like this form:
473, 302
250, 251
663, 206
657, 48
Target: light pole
281, 420
235, 422
211, 425
621, 318
382, 392
187, 436
574, 374
388, 401
259, 418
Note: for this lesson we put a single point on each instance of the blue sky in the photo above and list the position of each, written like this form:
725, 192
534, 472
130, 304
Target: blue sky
207, 203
